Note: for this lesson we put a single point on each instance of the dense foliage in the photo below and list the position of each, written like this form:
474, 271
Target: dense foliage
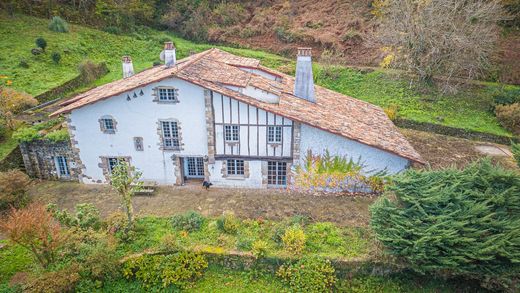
34, 228
86, 216
60, 135
13, 189
515, 148
333, 173
463, 222
509, 116
310, 274
13, 102
178, 269
58, 25
189, 221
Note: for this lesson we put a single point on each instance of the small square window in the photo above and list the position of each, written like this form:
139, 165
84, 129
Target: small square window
231, 133
167, 94
107, 124
235, 167
138, 143
274, 134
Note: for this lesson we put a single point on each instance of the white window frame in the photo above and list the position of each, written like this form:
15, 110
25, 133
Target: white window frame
166, 94
274, 134
235, 167
61, 161
170, 135
232, 133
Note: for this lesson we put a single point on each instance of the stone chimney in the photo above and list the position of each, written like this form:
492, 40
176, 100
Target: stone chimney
169, 54
304, 83
128, 67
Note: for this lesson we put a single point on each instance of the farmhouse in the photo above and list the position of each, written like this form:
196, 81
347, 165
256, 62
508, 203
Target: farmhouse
221, 118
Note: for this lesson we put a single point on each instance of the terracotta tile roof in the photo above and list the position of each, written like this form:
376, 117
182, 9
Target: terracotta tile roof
213, 69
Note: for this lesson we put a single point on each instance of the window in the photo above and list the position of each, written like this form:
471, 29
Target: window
235, 167
167, 94
107, 124
231, 133
112, 163
277, 173
138, 143
274, 134
170, 135
195, 167
62, 166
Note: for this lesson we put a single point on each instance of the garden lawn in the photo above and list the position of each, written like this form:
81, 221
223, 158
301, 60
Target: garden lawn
469, 109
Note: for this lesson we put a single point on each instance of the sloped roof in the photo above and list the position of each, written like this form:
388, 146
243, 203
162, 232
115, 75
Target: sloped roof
213, 69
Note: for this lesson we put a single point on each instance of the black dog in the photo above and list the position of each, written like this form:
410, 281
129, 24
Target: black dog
206, 184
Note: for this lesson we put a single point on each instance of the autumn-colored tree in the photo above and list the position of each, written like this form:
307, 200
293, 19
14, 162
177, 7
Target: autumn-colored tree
13, 187
34, 228
125, 180
13, 102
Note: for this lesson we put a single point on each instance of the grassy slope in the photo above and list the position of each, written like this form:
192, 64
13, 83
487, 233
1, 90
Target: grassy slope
468, 109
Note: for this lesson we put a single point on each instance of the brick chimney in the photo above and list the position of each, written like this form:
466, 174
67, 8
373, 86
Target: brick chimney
128, 67
304, 83
169, 54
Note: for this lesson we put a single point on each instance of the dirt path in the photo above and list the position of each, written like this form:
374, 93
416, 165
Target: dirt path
245, 203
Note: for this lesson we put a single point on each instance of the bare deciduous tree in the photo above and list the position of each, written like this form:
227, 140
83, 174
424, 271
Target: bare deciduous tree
445, 38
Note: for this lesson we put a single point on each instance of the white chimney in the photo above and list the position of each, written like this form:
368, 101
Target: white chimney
304, 84
169, 54
128, 67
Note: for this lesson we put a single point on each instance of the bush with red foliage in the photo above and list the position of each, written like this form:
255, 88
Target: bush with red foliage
34, 228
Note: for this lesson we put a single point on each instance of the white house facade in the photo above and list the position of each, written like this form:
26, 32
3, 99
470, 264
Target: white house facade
224, 119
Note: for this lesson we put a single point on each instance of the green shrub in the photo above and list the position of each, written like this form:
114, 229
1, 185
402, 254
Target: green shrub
515, 148
41, 43
168, 243
259, 248
509, 116
228, 223
189, 221
507, 97
310, 274
294, 239
56, 57
112, 30
62, 280
86, 216
116, 221
324, 237
58, 25
13, 189
26, 134
23, 63
3, 130
463, 222
245, 243
60, 135
178, 269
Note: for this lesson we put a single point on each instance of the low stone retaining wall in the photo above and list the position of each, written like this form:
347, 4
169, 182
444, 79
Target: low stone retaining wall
39, 159
245, 261
453, 131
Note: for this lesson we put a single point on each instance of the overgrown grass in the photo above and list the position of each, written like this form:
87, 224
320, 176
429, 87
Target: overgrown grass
323, 238
468, 110
13, 258
7, 145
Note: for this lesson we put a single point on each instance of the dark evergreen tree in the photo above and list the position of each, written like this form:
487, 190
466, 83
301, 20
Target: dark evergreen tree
455, 222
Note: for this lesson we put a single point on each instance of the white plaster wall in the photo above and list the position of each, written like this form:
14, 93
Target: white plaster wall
139, 117
253, 181
319, 141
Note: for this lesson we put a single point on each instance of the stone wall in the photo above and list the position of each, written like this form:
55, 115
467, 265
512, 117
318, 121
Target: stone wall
39, 159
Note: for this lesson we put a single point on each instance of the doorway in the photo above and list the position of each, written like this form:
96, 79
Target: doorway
193, 168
